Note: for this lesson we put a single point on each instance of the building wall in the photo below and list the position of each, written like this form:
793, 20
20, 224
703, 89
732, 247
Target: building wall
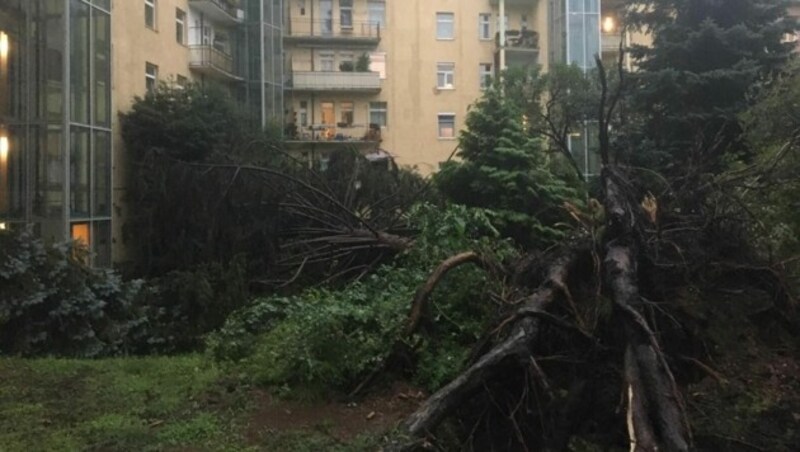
135, 45
409, 41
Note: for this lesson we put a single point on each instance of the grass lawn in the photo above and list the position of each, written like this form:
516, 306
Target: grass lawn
130, 404
179, 404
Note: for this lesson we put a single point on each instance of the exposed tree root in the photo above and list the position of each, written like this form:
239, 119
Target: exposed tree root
517, 346
424, 292
655, 413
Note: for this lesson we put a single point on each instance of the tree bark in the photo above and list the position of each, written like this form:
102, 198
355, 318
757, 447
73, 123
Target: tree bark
516, 346
655, 414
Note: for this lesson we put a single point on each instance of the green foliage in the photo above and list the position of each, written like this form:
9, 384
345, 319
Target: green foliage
329, 338
189, 123
362, 65
51, 303
770, 193
506, 171
184, 305
694, 79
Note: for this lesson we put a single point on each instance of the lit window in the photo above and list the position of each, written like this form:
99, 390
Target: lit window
346, 110
150, 14
486, 75
447, 125
484, 26
150, 76
79, 232
445, 26
378, 114
346, 13
445, 75
180, 26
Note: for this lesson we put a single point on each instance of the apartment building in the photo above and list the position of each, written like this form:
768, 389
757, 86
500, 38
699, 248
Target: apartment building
67, 67
398, 77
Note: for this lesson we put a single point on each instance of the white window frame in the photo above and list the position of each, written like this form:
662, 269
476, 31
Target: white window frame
180, 26
485, 26
439, 123
485, 73
150, 78
152, 5
346, 9
445, 75
379, 107
443, 18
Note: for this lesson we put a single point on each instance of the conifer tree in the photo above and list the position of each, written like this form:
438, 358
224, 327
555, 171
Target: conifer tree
506, 171
694, 80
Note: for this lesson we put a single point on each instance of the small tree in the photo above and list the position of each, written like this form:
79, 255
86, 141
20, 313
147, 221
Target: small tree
506, 171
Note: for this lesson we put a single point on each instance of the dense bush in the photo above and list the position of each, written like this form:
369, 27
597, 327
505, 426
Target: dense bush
326, 337
51, 303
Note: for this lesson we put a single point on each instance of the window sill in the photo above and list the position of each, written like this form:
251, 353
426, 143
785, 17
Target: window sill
445, 39
440, 88
447, 138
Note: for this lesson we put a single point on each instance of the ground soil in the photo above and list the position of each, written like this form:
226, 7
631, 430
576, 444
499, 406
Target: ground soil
376, 412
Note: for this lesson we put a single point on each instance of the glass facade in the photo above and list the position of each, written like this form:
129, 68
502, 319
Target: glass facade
55, 120
264, 59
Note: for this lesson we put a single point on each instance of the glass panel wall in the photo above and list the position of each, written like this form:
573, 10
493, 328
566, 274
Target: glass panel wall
43, 169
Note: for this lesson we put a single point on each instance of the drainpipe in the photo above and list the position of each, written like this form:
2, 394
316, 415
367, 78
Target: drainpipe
502, 35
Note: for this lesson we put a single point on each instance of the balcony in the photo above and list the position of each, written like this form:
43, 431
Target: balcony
611, 42
515, 3
336, 136
311, 33
366, 82
211, 61
219, 10
521, 48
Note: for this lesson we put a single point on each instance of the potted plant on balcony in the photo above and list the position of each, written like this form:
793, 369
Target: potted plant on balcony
362, 65
347, 66
373, 133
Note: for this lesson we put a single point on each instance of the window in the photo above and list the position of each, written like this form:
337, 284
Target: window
377, 63
150, 14
181, 81
303, 113
445, 75
484, 26
447, 125
346, 111
150, 76
445, 26
180, 26
347, 62
326, 61
377, 114
377, 13
486, 75
346, 13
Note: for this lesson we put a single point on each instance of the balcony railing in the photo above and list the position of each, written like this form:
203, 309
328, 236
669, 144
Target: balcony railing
336, 134
333, 30
223, 10
335, 81
207, 59
519, 40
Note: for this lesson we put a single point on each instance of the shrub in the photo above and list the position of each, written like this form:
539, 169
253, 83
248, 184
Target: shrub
329, 338
51, 303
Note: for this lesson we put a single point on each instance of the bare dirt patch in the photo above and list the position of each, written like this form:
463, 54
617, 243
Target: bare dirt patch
340, 419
